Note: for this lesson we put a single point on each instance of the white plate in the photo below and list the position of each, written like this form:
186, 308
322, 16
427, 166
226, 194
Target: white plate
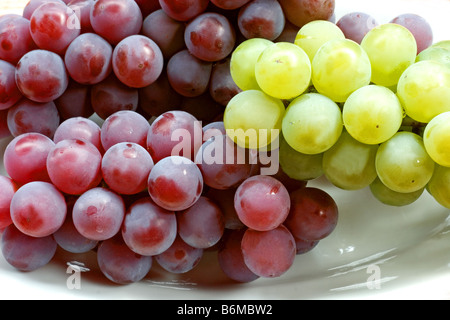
376, 251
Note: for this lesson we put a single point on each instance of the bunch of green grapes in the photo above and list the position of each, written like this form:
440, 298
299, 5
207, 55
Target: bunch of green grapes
371, 113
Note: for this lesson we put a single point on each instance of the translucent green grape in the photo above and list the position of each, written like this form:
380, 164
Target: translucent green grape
403, 164
350, 164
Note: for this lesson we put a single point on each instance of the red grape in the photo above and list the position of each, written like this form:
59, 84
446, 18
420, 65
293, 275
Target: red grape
125, 168
88, 59
313, 215
74, 166
268, 253
229, 4
175, 183
114, 20
202, 225
38, 209
98, 214
25, 157
149, 229
261, 19
15, 38
222, 86
137, 61
24, 252
188, 75
41, 76
120, 264
53, 26
210, 37
262, 202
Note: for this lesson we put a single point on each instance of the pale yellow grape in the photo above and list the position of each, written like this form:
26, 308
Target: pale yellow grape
298, 165
350, 164
391, 197
424, 90
391, 49
312, 123
339, 68
436, 138
403, 164
372, 114
439, 185
438, 54
243, 60
253, 119
314, 34
283, 70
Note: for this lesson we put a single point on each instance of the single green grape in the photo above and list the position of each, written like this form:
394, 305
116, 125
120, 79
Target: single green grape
439, 185
403, 164
436, 138
298, 165
252, 119
391, 197
350, 164
314, 34
391, 49
243, 61
438, 54
283, 70
339, 68
424, 90
312, 123
372, 114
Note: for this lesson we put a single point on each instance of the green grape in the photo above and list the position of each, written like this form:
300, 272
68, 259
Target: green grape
350, 164
391, 197
372, 114
438, 54
339, 68
243, 61
424, 90
314, 34
436, 138
253, 119
442, 44
312, 123
283, 70
439, 185
391, 49
403, 164
298, 165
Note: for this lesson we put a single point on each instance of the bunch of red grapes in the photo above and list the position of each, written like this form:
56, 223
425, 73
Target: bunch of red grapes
92, 92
